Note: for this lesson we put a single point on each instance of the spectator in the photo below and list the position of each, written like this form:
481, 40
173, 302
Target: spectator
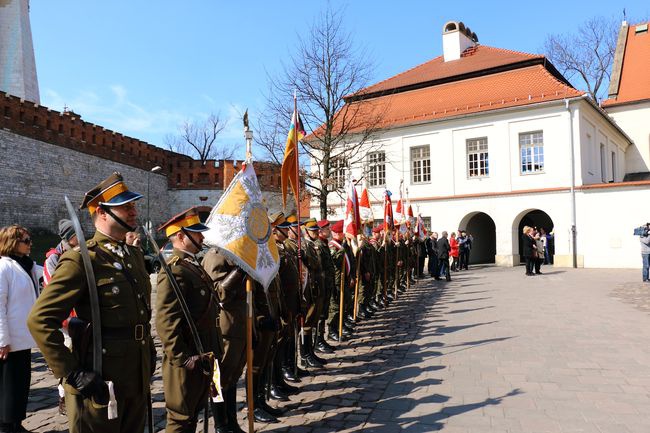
18, 291
453, 251
443, 257
528, 250
464, 245
539, 251
645, 254
432, 252
68, 241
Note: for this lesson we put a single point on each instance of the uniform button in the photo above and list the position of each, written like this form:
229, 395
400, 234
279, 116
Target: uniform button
104, 351
141, 311
139, 296
142, 342
115, 290
128, 265
111, 279
135, 280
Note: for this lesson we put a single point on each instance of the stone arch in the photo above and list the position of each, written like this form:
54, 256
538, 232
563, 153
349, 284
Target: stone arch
482, 228
534, 218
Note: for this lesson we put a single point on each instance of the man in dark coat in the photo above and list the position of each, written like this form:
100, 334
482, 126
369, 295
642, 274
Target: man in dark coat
432, 252
443, 256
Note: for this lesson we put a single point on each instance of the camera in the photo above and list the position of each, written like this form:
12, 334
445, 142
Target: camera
643, 230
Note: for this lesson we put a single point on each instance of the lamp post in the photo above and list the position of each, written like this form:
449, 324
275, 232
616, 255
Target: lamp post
155, 169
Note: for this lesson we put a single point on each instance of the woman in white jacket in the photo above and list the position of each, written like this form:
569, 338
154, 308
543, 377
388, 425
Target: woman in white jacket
18, 291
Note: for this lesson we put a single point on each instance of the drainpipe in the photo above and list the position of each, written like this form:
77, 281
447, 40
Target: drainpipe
574, 232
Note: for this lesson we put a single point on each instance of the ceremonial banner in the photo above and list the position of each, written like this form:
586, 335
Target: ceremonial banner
365, 211
399, 212
289, 171
421, 231
389, 221
352, 221
240, 229
410, 218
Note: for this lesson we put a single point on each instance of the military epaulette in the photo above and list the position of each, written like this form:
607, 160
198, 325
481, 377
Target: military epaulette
91, 243
173, 260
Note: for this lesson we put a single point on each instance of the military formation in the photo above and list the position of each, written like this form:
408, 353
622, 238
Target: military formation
328, 281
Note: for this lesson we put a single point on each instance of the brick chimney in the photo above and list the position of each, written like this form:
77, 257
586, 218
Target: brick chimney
456, 38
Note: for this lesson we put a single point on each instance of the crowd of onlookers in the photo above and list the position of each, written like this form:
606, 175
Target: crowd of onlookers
444, 254
535, 249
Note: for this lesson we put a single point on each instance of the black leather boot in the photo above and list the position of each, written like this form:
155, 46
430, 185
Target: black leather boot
308, 355
230, 400
219, 416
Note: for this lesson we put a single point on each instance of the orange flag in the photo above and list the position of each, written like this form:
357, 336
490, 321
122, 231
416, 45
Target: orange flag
289, 172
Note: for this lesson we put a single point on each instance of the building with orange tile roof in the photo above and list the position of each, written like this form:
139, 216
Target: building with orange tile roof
629, 94
489, 140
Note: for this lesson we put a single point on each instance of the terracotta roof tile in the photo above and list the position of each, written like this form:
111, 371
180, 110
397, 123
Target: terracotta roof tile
474, 59
635, 75
517, 87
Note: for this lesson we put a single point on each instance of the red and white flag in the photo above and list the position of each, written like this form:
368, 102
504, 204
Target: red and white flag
421, 231
352, 221
399, 212
410, 221
365, 211
389, 220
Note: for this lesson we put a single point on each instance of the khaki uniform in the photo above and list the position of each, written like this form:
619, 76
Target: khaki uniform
315, 286
127, 347
232, 318
186, 391
327, 271
366, 272
338, 252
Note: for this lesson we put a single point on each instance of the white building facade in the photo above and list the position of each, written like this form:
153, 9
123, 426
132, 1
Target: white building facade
493, 148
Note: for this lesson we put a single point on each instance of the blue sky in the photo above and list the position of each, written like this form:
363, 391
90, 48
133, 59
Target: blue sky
143, 67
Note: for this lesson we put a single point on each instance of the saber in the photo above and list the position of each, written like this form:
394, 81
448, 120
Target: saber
92, 288
179, 294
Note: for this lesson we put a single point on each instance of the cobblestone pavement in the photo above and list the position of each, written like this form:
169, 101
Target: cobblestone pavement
491, 351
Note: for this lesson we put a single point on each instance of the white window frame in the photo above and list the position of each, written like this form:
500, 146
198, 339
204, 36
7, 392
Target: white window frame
532, 143
478, 158
376, 169
420, 164
339, 173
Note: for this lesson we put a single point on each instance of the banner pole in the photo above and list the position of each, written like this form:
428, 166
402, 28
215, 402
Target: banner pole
249, 355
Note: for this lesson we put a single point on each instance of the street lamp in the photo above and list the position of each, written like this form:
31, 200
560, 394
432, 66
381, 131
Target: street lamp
155, 169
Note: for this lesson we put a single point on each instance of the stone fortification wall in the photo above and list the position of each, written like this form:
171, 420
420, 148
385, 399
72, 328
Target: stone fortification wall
35, 176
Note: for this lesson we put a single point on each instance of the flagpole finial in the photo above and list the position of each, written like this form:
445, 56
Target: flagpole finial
248, 135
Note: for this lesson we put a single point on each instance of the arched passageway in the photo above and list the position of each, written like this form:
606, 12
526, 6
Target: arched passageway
480, 226
540, 220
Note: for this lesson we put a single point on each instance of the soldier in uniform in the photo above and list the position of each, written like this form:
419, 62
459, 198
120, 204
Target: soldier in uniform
186, 372
288, 293
377, 243
329, 286
295, 306
128, 354
230, 285
366, 275
315, 293
341, 258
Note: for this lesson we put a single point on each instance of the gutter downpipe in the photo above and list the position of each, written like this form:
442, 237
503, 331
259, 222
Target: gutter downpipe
574, 231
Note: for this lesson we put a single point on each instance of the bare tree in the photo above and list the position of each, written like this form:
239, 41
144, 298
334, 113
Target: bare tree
198, 139
324, 69
587, 54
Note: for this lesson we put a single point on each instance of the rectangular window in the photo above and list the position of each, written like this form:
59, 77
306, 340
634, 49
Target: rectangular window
613, 178
420, 164
531, 148
376, 169
339, 167
477, 157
